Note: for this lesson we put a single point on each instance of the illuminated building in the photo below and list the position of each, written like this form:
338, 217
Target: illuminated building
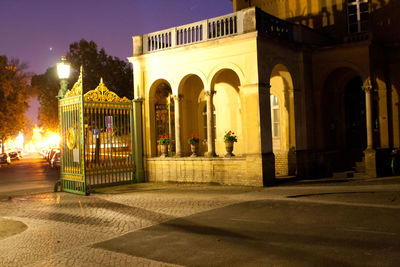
309, 87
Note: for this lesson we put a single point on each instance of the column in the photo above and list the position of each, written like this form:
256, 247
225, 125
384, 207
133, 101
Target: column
210, 125
178, 141
367, 88
370, 152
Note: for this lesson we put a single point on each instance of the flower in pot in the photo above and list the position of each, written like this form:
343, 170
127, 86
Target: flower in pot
194, 144
164, 141
229, 139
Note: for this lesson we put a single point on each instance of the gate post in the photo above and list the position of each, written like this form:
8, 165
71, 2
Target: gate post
137, 139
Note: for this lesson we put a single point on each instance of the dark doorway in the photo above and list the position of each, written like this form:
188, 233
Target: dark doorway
355, 121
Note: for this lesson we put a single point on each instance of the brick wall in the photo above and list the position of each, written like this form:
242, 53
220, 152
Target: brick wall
229, 171
285, 163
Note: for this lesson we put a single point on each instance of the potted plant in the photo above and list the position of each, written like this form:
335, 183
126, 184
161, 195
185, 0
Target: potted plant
229, 139
164, 141
194, 144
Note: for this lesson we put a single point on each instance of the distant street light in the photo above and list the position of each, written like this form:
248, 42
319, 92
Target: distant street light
63, 70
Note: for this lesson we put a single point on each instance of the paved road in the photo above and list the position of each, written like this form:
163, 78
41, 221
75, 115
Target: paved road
29, 175
301, 224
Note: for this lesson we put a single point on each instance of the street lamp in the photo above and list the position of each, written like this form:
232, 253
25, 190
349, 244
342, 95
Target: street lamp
63, 70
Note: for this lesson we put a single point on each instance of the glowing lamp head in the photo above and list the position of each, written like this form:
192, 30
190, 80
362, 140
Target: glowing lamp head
63, 68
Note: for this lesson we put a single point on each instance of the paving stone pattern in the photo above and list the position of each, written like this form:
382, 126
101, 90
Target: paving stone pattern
62, 227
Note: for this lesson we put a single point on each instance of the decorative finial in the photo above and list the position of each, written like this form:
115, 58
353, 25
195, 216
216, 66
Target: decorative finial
101, 80
81, 70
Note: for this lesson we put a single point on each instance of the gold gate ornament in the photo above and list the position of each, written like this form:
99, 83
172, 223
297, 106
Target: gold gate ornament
71, 138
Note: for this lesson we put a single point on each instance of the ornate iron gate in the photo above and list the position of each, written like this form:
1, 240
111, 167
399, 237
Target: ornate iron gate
96, 139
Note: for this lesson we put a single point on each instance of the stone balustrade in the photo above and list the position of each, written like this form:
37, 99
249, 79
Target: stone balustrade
243, 21
201, 31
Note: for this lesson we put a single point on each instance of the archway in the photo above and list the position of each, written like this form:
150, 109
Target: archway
161, 115
228, 111
283, 121
193, 102
343, 119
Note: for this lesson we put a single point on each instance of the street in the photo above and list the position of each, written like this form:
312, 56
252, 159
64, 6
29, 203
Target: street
301, 223
31, 174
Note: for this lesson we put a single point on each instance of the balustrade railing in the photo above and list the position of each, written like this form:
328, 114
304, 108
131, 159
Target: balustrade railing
246, 20
201, 31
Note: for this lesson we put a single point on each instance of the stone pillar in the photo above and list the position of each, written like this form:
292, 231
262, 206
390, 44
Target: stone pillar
370, 152
178, 140
210, 125
367, 87
137, 140
268, 158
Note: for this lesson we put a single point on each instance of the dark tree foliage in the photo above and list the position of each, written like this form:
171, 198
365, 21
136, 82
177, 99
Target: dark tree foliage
47, 85
13, 98
116, 74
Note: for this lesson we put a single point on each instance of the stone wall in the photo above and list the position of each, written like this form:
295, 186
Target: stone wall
229, 171
285, 163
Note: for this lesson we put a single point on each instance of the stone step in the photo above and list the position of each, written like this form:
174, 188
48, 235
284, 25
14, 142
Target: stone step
345, 174
360, 175
360, 167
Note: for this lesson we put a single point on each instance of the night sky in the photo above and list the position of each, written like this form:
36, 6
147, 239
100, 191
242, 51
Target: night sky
38, 32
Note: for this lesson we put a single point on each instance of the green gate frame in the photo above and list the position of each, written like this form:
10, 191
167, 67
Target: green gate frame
101, 139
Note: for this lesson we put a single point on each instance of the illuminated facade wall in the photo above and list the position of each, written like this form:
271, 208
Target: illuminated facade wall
335, 89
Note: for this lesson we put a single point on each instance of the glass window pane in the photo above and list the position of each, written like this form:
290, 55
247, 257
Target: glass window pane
353, 19
364, 7
353, 9
364, 16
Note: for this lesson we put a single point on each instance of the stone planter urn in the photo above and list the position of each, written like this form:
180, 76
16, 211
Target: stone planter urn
229, 149
164, 150
195, 150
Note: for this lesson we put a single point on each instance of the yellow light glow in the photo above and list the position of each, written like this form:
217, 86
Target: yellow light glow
42, 139
63, 69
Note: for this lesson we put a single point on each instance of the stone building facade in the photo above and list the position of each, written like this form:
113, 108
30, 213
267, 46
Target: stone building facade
309, 87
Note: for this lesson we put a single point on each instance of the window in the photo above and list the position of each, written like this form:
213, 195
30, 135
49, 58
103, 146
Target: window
357, 15
275, 117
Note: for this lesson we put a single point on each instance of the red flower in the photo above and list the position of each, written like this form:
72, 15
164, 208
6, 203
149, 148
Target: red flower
166, 136
187, 137
160, 135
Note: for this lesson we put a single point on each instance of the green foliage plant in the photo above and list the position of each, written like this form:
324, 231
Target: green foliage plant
230, 137
163, 139
194, 139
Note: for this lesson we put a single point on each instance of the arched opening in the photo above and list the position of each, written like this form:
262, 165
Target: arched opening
227, 109
283, 121
275, 123
161, 116
193, 104
344, 120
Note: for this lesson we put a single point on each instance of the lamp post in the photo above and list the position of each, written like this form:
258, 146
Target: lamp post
63, 70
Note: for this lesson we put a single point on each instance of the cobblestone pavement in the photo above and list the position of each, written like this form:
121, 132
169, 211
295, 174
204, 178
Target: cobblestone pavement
62, 227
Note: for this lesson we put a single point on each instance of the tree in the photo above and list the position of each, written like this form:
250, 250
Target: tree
13, 98
47, 86
117, 74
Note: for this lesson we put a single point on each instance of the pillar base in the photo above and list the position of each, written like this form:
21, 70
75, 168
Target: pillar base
210, 155
268, 169
178, 155
370, 162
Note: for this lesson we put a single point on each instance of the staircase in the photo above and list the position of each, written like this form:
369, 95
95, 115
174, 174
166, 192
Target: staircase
357, 172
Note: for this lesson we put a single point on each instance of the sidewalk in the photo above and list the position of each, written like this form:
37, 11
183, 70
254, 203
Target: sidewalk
66, 229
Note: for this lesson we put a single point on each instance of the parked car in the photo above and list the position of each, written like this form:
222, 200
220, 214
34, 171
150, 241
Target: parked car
5, 158
55, 161
51, 154
14, 155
